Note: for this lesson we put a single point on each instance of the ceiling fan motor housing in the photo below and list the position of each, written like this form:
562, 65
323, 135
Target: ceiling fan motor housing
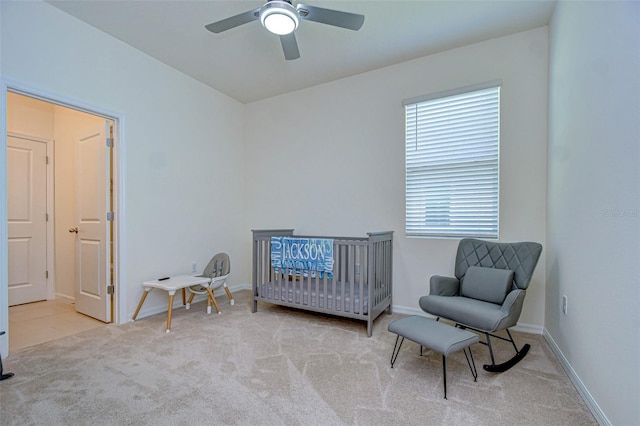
279, 17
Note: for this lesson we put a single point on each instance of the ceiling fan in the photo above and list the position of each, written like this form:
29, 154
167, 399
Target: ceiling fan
280, 17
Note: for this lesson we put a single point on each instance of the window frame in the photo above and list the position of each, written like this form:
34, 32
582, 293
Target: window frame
475, 174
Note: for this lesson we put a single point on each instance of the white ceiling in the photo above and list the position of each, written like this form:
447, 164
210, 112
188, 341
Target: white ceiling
247, 62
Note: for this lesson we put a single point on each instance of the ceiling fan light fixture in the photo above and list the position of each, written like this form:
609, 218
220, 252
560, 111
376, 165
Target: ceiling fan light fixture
279, 17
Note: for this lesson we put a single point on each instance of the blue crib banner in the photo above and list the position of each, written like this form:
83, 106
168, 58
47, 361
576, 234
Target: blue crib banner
310, 254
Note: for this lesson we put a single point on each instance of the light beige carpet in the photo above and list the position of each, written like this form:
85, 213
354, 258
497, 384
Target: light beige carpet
275, 367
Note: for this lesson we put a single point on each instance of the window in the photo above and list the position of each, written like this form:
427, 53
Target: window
452, 163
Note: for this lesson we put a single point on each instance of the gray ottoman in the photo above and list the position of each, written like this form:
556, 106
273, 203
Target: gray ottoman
436, 336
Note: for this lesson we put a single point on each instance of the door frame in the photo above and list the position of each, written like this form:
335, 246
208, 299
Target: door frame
118, 177
50, 232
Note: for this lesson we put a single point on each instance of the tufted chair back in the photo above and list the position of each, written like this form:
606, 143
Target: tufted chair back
521, 258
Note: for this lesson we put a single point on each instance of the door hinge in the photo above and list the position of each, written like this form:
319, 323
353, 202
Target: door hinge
109, 142
110, 289
46, 274
110, 216
47, 157
46, 217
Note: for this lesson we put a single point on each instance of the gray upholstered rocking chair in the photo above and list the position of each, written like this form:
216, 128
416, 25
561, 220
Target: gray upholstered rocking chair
487, 292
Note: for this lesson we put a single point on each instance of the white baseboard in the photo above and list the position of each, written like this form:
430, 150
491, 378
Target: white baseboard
65, 299
406, 310
588, 399
239, 287
528, 328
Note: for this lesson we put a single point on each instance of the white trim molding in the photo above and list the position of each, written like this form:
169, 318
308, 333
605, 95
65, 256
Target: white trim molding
588, 399
4, 279
118, 176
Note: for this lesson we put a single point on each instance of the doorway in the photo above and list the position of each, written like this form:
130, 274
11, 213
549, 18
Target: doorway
80, 262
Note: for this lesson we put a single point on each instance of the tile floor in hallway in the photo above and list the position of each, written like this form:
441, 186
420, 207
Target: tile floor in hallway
34, 323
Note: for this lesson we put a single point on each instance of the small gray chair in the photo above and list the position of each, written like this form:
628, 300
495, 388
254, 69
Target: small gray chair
487, 293
218, 269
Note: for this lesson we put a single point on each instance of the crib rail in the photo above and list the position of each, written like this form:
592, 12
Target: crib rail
360, 286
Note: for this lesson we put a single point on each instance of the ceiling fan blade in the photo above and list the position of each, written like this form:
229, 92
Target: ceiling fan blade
351, 21
233, 21
289, 46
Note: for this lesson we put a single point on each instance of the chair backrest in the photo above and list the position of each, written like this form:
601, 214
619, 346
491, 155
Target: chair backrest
218, 265
521, 258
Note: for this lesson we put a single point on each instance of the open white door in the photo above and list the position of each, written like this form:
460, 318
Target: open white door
93, 251
27, 219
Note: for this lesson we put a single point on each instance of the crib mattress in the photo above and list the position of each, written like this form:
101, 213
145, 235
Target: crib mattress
305, 296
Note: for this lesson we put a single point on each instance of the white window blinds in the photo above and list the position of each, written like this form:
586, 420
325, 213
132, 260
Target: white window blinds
452, 164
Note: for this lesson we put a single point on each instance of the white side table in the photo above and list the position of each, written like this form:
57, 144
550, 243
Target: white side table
171, 285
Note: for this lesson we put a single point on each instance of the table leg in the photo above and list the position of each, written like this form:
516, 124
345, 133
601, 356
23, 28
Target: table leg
183, 296
170, 311
144, 296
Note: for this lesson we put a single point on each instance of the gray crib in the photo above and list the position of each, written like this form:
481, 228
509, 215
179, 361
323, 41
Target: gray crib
360, 286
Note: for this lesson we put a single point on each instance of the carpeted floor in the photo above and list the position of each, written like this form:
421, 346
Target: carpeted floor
275, 367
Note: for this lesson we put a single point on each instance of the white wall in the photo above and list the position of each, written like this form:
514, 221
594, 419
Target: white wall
330, 159
593, 235
183, 193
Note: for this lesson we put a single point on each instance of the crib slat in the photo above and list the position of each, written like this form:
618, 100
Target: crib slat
305, 282
343, 275
262, 273
360, 276
351, 265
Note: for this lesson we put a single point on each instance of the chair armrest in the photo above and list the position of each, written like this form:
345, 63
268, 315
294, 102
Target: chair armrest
219, 278
444, 286
214, 283
512, 306
218, 281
